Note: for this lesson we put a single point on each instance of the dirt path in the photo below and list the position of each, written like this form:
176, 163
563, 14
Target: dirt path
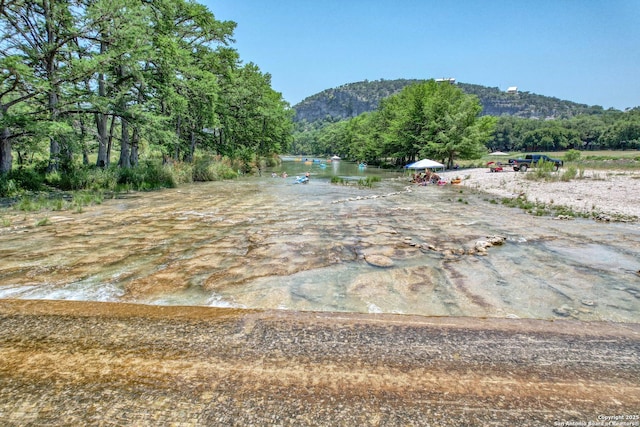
77, 363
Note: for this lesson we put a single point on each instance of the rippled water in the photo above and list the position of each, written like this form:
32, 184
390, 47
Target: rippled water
263, 242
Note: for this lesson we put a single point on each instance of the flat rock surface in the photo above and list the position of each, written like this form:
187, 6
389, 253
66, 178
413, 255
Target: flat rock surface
84, 363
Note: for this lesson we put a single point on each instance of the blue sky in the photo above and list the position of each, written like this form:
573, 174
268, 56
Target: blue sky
585, 51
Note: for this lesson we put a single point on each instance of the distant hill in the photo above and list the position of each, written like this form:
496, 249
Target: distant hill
353, 99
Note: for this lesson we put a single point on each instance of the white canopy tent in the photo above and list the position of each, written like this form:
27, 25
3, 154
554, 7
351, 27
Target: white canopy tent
425, 164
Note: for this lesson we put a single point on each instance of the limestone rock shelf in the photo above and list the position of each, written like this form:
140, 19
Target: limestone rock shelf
84, 363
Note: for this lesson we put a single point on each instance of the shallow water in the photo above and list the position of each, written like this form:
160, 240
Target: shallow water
263, 242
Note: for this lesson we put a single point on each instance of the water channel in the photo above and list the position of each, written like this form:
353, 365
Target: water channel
266, 242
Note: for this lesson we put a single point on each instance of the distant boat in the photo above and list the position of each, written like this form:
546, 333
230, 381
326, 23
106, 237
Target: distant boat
335, 158
362, 165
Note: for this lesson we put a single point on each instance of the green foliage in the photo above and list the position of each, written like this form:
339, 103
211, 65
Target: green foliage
572, 155
161, 78
541, 209
8, 187
424, 119
58, 202
42, 222
27, 204
25, 179
569, 173
209, 169
436, 121
543, 171
150, 175
368, 181
83, 178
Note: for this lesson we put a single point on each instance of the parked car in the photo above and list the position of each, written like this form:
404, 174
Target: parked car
531, 160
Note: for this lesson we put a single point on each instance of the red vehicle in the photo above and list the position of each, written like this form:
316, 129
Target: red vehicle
495, 166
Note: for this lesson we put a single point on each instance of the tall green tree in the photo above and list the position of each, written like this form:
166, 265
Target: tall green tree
253, 116
37, 33
439, 121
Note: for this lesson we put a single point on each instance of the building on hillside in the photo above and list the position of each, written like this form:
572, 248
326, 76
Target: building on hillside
512, 89
450, 80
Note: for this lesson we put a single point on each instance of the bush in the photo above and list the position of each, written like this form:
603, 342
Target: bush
203, 171
542, 171
148, 176
223, 171
368, 181
179, 173
572, 155
569, 173
338, 180
272, 161
26, 179
8, 187
213, 169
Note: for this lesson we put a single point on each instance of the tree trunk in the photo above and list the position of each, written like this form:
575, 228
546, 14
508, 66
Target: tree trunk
101, 121
176, 154
192, 147
110, 139
6, 160
51, 68
135, 142
125, 147
83, 140
54, 146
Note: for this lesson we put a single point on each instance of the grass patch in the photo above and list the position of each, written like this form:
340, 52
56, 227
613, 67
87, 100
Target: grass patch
368, 181
362, 182
538, 208
338, 180
42, 222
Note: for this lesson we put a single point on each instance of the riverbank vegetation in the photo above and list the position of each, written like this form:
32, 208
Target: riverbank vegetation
110, 95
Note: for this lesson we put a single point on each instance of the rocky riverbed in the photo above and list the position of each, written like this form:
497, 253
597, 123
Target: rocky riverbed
82, 363
397, 305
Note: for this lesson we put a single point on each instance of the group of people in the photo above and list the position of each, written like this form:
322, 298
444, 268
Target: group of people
426, 177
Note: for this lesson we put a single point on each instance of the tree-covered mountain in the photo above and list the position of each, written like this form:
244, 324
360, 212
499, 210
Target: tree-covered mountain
353, 99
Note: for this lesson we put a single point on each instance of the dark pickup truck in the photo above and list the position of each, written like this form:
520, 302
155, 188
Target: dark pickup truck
531, 160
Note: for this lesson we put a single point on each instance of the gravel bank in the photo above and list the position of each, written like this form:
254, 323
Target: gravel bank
613, 193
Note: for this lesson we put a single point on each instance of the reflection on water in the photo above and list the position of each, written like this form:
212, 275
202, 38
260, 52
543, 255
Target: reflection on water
263, 242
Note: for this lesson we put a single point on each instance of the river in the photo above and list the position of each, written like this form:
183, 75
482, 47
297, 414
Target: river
266, 242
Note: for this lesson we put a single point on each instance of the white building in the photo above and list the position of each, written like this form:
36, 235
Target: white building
450, 80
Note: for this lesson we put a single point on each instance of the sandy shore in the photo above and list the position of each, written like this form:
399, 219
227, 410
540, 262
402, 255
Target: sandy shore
82, 363
612, 193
